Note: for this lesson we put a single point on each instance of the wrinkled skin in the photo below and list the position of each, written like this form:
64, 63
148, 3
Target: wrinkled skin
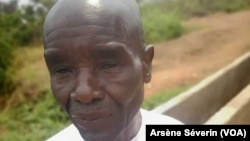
98, 65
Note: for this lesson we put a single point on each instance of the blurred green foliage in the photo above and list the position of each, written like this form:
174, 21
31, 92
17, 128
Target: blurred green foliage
5, 61
160, 25
35, 120
162, 19
161, 97
190, 8
19, 26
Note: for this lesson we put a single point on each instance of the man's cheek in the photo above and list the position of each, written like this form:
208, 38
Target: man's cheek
123, 89
62, 94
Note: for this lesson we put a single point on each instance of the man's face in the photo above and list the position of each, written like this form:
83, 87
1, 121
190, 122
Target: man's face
96, 77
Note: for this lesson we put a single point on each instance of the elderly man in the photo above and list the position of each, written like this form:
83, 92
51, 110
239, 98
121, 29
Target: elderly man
98, 64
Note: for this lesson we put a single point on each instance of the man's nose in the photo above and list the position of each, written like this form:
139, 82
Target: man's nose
87, 88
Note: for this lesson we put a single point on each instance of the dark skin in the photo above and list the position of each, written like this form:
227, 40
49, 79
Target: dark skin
98, 65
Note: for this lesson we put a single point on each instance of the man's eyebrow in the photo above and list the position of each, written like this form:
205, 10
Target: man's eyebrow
112, 50
50, 51
54, 55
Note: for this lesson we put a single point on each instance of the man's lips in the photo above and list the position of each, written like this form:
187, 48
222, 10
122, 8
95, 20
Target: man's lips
91, 121
92, 116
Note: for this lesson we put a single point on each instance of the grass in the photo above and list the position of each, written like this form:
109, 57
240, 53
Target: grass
33, 120
29, 74
31, 113
163, 27
162, 20
162, 97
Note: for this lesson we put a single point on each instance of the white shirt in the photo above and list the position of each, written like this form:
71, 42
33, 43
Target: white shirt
148, 117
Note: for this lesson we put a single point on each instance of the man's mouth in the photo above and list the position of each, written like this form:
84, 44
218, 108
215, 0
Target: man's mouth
92, 116
91, 121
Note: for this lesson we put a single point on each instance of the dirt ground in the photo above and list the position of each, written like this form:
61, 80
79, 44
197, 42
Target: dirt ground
217, 40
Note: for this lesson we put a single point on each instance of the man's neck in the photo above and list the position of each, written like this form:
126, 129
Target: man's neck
132, 129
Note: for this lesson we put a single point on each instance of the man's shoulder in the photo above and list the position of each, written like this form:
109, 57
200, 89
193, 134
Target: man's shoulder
151, 117
68, 133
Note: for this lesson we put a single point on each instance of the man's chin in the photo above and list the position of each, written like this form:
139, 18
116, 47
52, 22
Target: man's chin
103, 129
97, 136
93, 125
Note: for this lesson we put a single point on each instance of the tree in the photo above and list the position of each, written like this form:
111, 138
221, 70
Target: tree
18, 27
9, 7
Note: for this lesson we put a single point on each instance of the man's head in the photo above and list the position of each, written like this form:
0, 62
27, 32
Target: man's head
98, 64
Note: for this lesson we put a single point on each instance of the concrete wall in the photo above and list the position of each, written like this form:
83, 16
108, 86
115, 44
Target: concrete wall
201, 102
235, 111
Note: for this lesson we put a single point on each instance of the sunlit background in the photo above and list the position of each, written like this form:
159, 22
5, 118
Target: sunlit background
187, 35
20, 2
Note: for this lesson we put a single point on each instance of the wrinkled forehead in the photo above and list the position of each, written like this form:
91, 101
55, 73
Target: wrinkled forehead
116, 15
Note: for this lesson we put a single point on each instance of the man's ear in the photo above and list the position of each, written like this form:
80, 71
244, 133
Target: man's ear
147, 63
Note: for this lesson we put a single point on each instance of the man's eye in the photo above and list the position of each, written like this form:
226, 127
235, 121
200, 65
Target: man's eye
61, 72
109, 66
